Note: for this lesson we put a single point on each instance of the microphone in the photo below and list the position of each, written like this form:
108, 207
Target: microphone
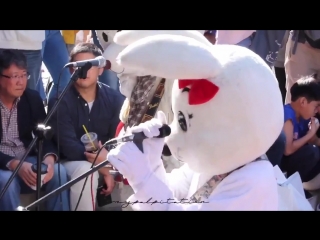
137, 138
99, 62
166, 151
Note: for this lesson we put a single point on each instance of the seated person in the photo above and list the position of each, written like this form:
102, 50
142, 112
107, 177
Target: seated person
97, 107
21, 110
300, 127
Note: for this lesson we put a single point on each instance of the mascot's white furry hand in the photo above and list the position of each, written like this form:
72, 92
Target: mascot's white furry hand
131, 162
154, 148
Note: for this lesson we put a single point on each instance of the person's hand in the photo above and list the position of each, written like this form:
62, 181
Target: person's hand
151, 130
109, 181
102, 155
13, 164
313, 126
49, 161
132, 163
27, 175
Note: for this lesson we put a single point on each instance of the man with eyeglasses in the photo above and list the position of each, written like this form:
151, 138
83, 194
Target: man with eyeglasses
21, 109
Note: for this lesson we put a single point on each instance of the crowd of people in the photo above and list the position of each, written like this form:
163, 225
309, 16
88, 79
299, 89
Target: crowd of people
95, 102
89, 102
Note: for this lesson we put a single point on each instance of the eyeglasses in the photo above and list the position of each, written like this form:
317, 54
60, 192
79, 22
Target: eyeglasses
24, 76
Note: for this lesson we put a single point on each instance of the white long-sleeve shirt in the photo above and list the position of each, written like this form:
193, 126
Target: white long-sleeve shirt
252, 187
232, 37
22, 39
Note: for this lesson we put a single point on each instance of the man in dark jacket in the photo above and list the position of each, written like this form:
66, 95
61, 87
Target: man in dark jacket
95, 106
21, 110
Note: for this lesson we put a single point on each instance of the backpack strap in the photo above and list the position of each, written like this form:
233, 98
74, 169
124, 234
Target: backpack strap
153, 105
149, 114
140, 110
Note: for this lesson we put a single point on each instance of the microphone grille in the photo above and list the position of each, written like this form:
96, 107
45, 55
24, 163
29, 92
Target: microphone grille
102, 61
165, 131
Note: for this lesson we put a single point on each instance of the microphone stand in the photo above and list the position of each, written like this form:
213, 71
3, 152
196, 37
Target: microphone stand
64, 187
43, 132
136, 139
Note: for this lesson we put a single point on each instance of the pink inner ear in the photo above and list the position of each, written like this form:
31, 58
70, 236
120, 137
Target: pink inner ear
202, 91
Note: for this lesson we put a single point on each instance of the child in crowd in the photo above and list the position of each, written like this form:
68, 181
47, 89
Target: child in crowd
302, 152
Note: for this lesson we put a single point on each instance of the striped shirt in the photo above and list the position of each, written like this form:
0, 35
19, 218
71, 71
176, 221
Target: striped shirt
10, 142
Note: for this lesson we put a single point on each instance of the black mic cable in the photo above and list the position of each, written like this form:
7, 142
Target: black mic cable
58, 138
164, 131
93, 163
58, 144
57, 127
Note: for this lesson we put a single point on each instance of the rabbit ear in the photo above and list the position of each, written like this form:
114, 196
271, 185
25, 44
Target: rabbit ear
127, 37
111, 53
172, 57
105, 37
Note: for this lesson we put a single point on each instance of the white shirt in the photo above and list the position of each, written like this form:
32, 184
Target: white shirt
252, 187
90, 105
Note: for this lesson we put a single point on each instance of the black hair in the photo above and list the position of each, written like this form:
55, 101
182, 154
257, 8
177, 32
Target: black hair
308, 87
10, 57
85, 48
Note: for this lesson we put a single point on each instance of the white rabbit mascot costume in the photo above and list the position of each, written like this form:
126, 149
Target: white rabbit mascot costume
227, 113
128, 80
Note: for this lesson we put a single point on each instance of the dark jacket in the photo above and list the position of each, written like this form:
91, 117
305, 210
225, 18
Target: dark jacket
73, 112
30, 113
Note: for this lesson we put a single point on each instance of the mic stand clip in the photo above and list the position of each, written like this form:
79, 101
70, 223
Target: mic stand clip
42, 132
